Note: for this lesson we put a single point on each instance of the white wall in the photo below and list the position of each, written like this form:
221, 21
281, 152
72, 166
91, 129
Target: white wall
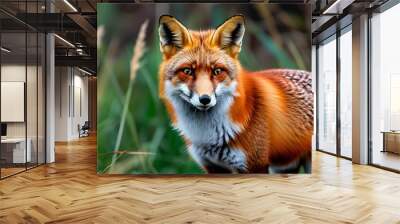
62, 81
16, 73
80, 109
71, 102
13, 73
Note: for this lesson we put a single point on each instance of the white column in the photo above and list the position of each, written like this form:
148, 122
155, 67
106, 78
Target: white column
50, 93
360, 90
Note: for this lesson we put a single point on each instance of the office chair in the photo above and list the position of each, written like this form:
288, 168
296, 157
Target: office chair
84, 130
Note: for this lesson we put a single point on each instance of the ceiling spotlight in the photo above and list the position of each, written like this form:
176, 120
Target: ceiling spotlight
79, 51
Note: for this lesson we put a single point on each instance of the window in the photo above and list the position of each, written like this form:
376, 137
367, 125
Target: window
327, 96
346, 93
385, 89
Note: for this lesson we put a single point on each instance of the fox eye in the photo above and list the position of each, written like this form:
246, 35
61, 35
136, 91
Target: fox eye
217, 71
187, 71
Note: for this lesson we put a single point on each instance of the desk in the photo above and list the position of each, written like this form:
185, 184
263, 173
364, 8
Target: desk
391, 141
15, 148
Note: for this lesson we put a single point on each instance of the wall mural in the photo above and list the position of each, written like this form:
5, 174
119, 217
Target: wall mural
204, 89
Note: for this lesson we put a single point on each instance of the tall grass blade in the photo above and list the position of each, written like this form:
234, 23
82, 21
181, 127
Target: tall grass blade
138, 52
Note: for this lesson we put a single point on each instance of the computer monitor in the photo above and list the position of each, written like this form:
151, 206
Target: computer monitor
3, 129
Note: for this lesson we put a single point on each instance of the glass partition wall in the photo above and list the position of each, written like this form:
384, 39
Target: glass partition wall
334, 94
22, 88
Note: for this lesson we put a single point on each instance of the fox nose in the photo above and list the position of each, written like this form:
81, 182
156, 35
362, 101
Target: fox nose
205, 99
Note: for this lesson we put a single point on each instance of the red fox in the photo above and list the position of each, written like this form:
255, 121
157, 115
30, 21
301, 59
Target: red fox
233, 120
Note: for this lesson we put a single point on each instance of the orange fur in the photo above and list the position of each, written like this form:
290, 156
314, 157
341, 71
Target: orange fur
272, 129
274, 114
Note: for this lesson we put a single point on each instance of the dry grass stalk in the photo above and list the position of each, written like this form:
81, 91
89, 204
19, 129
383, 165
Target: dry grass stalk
138, 52
100, 34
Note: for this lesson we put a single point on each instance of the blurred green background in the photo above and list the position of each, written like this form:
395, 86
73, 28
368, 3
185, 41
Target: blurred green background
134, 131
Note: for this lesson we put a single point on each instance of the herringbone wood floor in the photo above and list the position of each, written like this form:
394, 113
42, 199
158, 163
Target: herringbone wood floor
69, 191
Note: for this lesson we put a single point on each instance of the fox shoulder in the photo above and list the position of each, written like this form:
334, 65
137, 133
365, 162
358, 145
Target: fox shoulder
296, 86
302, 79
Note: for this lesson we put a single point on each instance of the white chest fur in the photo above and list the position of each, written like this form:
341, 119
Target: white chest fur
209, 133
206, 127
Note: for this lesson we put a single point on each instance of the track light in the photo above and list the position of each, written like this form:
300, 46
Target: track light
84, 71
70, 5
65, 41
5, 50
337, 7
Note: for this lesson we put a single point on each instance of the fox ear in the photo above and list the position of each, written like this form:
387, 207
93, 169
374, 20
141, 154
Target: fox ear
229, 35
173, 35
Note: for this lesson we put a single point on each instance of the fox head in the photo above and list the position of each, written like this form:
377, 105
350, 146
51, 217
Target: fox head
200, 68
